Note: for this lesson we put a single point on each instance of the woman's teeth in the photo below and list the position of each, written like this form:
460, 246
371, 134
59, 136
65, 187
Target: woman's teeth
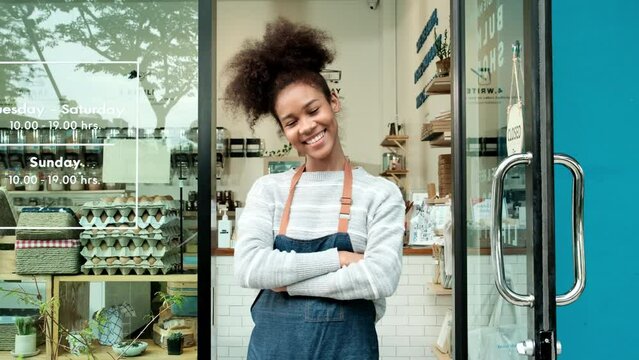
316, 138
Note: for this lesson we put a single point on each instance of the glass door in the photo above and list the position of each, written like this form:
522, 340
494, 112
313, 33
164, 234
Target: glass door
505, 296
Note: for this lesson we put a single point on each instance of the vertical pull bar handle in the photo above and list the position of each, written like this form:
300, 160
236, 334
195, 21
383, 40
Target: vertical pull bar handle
495, 230
578, 248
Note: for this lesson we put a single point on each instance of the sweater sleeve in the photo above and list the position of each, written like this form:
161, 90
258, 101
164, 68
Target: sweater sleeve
377, 275
256, 264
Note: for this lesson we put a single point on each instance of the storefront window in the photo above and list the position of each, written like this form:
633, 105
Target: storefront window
99, 159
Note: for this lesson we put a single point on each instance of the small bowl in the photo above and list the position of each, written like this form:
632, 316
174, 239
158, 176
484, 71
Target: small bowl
123, 348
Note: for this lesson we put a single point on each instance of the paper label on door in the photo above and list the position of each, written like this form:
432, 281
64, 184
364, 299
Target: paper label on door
515, 130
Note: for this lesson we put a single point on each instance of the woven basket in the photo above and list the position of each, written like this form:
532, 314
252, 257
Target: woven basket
48, 261
49, 219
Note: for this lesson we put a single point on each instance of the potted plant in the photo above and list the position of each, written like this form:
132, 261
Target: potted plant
175, 343
25, 344
130, 347
442, 49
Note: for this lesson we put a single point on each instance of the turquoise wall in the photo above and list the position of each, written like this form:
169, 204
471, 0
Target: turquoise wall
596, 101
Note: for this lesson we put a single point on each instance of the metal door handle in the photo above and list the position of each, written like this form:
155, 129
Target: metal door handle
578, 249
495, 230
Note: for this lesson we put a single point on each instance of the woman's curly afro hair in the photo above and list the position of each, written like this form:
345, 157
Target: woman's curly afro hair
288, 53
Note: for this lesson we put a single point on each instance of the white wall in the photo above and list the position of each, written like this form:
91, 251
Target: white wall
412, 16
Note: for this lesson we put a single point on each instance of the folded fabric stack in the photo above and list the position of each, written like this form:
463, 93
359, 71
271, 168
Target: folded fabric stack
46, 242
124, 239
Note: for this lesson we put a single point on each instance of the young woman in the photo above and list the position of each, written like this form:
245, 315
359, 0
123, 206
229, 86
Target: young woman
322, 242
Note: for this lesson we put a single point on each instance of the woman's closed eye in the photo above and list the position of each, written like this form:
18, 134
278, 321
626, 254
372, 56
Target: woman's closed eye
290, 123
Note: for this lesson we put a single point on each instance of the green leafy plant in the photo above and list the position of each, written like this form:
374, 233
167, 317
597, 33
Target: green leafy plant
25, 325
176, 336
285, 150
84, 336
442, 47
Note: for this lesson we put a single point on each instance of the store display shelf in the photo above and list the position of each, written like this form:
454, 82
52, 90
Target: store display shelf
438, 86
127, 278
438, 289
41, 356
440, 355
153, 351
189, 214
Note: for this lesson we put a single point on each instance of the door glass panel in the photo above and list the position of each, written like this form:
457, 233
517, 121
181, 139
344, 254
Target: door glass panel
491, 30
99, 115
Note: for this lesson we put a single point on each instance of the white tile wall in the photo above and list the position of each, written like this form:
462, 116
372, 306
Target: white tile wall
406, 332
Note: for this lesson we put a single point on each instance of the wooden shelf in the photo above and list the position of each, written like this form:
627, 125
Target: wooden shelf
394, 172
41, 356
438, 289
442, 201
127, 278
438, 86
153, 351
440, 355
394, 141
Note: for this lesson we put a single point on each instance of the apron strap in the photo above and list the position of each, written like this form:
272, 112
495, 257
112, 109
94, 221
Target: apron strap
345, 200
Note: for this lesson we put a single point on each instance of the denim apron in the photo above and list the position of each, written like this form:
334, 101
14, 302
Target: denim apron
307, 327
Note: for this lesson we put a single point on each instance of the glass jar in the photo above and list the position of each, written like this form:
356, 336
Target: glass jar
77, 184
6, 180
55, 180
31, 180
94, 174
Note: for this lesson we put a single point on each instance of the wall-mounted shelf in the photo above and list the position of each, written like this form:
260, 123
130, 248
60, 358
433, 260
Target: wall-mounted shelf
395, 174
394, 141
438, 289
438, 86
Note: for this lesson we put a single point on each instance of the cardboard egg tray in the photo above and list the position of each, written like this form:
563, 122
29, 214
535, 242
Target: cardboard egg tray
103, 251
156, 221
126, 265
124, 231
98, 206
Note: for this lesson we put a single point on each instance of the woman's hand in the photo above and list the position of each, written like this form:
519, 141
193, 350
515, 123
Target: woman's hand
346, 258
280, 289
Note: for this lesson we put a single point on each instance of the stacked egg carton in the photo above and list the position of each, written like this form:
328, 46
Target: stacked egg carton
120, 239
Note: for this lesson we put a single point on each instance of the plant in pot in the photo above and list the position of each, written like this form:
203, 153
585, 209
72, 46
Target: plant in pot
442, 50
175, 343
25, 344
129, 348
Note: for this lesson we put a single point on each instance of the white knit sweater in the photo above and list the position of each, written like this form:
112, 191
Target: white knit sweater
376, 228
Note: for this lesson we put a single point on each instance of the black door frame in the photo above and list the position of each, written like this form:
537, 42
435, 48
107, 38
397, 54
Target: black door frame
206, 66
539, 175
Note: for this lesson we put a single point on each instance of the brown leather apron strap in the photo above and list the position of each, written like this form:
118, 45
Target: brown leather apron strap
287, 208
346, 200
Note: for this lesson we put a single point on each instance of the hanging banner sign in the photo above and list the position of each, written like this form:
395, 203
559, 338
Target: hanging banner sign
515, 129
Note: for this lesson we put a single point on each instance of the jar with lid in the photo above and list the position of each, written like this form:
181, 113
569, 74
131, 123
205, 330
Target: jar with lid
31, 180
7, 179
76, 180
94, 174
55, 180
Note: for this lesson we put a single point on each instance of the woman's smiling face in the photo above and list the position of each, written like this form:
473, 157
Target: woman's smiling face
309, 124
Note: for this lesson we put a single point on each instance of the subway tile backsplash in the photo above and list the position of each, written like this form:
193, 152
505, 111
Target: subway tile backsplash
406, 332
